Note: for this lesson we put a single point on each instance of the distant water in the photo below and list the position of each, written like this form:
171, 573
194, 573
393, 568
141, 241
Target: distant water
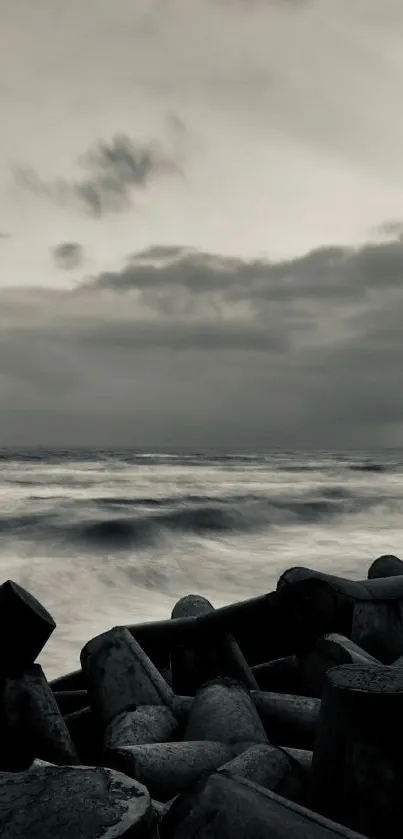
104, 538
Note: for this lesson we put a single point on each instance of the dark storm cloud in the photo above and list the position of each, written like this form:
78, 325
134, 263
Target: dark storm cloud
190, 348
335, 273
176, 335
68, 255
111, 171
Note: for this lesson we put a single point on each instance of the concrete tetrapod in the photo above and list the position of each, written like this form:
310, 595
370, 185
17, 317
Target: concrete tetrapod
280, 675
357, 769
273, 768
223, 711
201, 660
147, 724
69, 681
71, 700
256, 624
87, 735
25, 627
367, 611
223, 807
48, 801
33, 724
386, 565
326, 653
378, 627
120, 676
167, 768
288, 720
303, 757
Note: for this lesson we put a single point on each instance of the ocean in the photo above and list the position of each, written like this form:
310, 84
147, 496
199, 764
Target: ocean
107, 537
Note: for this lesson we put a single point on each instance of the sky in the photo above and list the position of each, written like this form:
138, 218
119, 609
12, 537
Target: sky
201, 223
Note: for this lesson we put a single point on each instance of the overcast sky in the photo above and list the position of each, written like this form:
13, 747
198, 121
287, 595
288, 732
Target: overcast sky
201, 223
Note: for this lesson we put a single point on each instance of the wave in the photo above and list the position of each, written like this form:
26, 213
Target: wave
82, 526
116, 501
130, 456
303, 467
367, 467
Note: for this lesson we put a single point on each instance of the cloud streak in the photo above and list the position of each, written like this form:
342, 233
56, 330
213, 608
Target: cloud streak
111, 173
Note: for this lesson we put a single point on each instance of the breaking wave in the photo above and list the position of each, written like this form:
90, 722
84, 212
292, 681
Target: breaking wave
137, 522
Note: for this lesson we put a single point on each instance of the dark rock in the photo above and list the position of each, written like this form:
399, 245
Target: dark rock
53, 802
223, 711
357, 761
201, 660
225, 807
120, 676
328, 652
386, 565
168, 768
34, 726
25, 627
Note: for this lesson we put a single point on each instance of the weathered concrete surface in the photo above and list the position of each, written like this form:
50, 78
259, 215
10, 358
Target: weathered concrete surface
328, 652
223, 711
273, 768
167, 768
33, 724
49, 802
357, 768
287, 719
120, 676
147, 724
223, 807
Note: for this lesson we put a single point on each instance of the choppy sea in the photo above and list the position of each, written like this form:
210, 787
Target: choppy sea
107, 537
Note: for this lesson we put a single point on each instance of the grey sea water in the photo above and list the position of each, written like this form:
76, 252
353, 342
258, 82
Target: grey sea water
108, 537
